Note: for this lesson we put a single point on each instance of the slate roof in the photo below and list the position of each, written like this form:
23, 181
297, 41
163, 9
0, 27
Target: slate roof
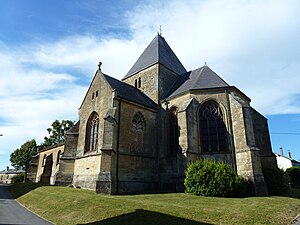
158, 51
11, 171
74, 129
128, 92
201, 78
50, 147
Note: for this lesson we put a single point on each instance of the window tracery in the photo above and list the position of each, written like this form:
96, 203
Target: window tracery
212, 128
92, 132
138, 121
137, 142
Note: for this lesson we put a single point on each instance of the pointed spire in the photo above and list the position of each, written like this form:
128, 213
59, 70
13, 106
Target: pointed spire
158, 51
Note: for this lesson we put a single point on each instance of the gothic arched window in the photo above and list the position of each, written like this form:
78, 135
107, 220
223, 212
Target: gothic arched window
212, 128
92, 128
173, 132
138, 127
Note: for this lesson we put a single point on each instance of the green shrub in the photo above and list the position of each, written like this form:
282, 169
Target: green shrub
18, 178
294, 173
210, 178
276, 179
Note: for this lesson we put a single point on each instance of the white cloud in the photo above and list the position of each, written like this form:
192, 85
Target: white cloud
83, 53
251, 44
31, 98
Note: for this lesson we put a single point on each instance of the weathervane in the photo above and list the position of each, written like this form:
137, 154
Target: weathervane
160, 30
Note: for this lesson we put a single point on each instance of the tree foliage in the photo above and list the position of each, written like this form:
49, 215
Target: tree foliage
21, 157
57, 132
294, 173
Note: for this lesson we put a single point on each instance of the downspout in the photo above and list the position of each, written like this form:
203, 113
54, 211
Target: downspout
229, 119
118, 141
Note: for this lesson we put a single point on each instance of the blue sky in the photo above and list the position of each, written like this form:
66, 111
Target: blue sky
49, 51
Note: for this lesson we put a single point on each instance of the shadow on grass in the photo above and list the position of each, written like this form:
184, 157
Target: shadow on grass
145, 217
19, 189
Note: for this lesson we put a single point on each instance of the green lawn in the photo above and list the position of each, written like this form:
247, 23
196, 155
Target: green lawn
63, 205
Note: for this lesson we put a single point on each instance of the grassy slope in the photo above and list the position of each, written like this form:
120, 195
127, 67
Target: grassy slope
74, 206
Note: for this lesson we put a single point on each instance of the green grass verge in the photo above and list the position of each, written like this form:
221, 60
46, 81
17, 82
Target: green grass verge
63, 205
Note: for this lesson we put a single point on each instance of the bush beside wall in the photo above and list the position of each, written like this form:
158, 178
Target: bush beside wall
277, 180
210, 178
294, 173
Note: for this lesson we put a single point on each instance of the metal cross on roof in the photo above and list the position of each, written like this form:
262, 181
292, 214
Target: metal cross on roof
99, 65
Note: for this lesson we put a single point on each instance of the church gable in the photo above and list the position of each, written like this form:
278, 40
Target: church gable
93, 92
91, 113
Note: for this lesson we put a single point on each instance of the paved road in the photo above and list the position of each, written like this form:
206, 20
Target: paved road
12, 213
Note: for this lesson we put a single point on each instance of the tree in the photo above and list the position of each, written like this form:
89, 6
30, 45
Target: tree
21, 157
57, 132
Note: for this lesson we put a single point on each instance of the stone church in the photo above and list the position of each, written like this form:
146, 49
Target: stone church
139, 134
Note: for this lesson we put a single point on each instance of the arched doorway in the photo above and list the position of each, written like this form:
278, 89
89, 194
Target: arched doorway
48, 163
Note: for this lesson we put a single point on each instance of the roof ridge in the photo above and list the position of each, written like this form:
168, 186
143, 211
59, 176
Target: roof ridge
129, 92
124, 83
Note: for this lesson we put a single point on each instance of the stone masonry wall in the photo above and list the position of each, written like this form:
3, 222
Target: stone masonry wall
66, 169
137, 164
149, 81
166, 79
156, 81
248, 161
